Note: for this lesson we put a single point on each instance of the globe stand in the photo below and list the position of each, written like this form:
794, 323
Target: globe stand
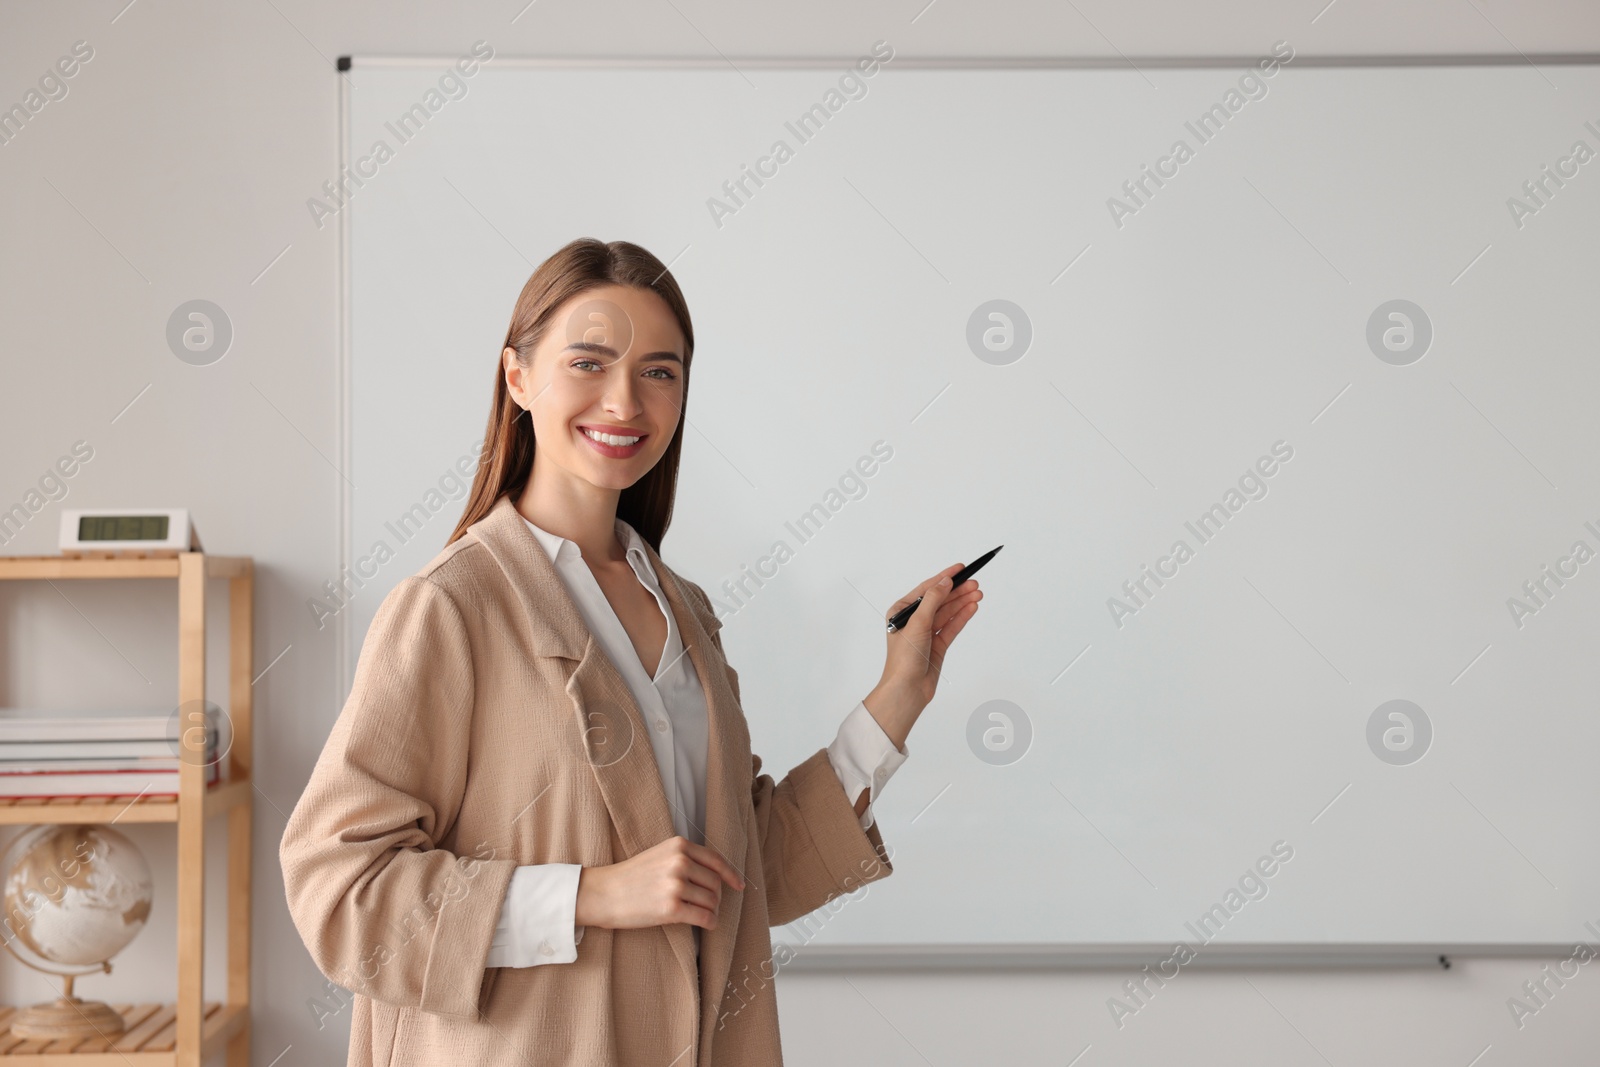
67, 1018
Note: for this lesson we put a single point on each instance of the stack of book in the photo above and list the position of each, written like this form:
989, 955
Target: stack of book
93, 754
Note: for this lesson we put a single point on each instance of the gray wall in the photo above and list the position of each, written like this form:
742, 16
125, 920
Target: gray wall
178, 166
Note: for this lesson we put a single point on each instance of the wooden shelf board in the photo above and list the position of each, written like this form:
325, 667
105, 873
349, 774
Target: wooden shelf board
25, 567
149, 1039
221, 797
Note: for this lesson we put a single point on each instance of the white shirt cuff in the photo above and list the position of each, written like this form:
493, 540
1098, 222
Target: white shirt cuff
537, 922
864, 758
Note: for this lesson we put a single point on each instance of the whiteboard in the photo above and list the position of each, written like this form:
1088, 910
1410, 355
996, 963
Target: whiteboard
1381, 478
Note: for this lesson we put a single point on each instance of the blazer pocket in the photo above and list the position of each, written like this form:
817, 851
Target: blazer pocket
399, 1052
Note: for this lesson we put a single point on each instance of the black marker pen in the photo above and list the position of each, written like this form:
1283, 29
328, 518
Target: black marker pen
903, 616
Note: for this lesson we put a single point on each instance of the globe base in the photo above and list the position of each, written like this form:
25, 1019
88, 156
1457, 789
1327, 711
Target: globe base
68, 1018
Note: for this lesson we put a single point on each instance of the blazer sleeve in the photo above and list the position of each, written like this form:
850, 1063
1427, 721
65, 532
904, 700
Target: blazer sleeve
383, 910
813, 846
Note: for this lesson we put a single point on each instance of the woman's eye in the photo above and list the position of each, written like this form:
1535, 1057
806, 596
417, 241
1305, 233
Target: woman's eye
666, 375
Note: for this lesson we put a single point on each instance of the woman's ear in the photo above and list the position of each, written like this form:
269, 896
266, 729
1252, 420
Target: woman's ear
516, 376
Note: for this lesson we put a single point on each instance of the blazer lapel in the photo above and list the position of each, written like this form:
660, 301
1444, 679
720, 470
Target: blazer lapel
611, 727
728, 778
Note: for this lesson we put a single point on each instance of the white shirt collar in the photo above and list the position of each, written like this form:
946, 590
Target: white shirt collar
555, 545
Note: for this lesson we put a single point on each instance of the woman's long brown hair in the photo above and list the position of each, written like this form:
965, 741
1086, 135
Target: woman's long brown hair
506, 462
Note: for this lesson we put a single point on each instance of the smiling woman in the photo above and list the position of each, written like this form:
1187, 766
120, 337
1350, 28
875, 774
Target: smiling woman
618, 365
593, 345
544, 746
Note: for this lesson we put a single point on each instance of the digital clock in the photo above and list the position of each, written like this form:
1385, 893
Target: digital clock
127, 532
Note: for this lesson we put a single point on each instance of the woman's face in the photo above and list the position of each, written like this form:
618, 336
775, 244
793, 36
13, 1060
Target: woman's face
611, 363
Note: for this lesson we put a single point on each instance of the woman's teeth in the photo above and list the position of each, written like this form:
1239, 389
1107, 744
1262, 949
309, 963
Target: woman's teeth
614, 441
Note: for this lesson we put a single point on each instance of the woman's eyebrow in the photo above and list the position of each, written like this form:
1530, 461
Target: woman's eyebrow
607, 350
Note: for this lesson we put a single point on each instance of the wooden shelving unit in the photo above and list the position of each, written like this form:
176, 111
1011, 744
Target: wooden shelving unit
185, 1033
151, 1037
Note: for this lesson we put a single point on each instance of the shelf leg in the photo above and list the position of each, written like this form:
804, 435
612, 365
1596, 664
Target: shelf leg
241, 666
191, 811
239, 844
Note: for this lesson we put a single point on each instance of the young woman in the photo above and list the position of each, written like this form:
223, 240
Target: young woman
537, 834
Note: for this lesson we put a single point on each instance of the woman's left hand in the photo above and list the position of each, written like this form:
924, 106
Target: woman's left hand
916, 652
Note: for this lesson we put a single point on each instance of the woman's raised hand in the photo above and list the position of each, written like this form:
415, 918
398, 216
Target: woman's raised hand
676, 881
916, 651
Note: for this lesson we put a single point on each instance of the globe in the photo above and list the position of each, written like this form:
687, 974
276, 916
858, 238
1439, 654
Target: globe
74, 896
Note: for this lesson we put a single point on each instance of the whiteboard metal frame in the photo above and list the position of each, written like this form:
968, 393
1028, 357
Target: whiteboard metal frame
960, 957
1458, 59
1100, 956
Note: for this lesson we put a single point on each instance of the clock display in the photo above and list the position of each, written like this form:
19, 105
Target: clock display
122, 528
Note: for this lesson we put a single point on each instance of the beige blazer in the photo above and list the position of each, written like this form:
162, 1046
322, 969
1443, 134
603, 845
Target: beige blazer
486, 729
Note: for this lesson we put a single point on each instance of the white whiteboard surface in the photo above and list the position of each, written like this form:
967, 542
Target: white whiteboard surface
1167, 356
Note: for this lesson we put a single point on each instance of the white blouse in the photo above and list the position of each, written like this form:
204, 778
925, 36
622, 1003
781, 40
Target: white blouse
537, 921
